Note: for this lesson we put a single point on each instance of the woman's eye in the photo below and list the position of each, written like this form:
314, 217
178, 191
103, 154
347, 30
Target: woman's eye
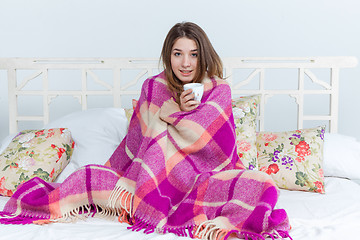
194, 54
177, 54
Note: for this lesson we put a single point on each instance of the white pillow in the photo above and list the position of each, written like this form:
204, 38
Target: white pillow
341, 156
96, 133
6, 141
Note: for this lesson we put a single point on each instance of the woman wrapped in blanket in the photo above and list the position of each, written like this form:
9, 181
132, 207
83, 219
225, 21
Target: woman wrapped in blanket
177, 169
181, 166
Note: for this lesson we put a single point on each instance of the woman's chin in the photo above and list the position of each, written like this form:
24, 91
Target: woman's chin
186, 79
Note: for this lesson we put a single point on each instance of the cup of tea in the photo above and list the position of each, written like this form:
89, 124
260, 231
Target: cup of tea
197, 89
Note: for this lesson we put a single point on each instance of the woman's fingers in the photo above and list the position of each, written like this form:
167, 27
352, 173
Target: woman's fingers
187, 102
186, 95
192, 105
189, 97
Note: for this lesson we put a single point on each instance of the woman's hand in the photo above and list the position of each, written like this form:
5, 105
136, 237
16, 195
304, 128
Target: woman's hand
187, 102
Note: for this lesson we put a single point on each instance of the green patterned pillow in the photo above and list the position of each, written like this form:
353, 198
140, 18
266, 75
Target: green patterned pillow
34, 153
294, 159
245, 110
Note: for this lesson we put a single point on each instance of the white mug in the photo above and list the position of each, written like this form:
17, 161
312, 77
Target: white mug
197, 89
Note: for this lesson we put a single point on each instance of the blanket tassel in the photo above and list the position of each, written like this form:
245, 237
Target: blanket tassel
209, 230
141, 225
279, 234
12, 219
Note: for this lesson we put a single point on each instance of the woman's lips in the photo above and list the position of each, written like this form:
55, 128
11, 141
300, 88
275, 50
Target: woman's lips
186, 72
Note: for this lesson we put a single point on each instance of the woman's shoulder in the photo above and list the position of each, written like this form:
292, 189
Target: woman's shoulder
155, 89
155, 78
220, 82
216, 79
216, 85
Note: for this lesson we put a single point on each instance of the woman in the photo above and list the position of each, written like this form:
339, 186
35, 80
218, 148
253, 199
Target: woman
188, 56
175, 171
178, 161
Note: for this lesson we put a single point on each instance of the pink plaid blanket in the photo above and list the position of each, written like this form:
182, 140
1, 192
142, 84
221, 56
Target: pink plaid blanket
174, 172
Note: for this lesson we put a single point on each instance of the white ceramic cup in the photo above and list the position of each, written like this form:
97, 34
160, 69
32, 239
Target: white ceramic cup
197, 89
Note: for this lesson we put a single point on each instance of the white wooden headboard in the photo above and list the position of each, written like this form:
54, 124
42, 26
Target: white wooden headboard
246, 76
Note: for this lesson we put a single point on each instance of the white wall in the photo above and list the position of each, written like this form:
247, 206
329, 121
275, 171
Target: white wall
136, 28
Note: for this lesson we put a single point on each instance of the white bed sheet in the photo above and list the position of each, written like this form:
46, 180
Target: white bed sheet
334, 215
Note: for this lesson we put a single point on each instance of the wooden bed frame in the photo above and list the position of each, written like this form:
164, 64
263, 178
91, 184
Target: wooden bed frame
121, 86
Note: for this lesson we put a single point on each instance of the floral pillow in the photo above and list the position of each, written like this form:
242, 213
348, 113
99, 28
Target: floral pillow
294, 159
245, 110
34, 153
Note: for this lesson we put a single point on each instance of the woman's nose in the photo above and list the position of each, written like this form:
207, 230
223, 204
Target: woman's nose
186, 61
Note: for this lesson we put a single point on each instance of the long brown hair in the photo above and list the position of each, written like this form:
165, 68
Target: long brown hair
208, 63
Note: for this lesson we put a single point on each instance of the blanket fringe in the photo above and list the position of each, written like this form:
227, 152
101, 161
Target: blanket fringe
119, 207
16, 219
209, 230
79, 213
121, 198
85, 211
275, 234
139, 224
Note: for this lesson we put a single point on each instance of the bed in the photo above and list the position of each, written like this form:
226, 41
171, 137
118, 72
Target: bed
94, 97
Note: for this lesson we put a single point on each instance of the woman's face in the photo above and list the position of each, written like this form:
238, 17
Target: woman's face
184, 60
